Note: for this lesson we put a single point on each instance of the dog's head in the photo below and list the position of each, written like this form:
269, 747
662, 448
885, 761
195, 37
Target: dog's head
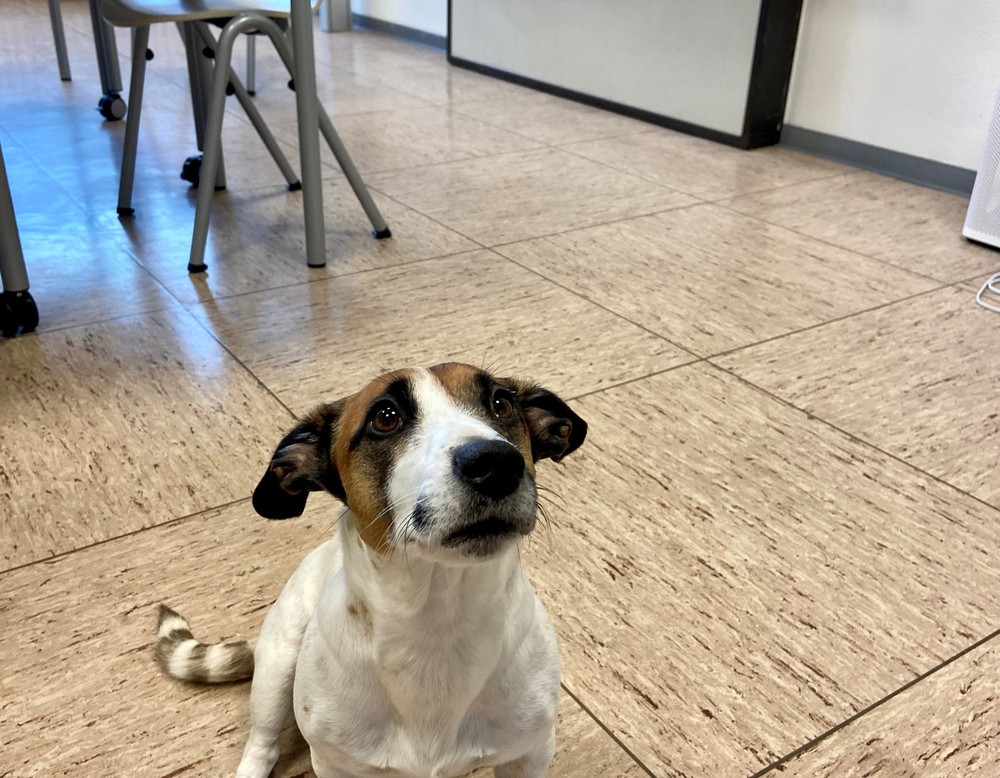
440, 460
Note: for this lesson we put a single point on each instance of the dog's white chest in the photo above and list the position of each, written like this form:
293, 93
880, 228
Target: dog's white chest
437, 709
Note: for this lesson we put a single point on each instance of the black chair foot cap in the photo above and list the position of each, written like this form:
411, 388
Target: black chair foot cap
197, 268
381, 234
296, 187
220, 189
321, 264
126, 211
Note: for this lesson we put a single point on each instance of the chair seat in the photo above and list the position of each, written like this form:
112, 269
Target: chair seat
139, 13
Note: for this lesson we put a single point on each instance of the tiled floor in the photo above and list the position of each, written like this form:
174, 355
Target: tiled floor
779, 549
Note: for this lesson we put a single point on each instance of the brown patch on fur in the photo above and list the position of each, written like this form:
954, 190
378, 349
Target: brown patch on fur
365, 497
461, 381
358, 611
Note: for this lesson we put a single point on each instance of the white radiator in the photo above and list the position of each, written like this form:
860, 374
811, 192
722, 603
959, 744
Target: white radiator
982, 222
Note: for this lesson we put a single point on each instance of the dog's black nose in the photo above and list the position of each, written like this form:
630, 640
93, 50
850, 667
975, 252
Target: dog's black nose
492, 467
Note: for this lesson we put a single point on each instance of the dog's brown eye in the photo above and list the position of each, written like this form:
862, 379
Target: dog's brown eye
503, 408
385, 419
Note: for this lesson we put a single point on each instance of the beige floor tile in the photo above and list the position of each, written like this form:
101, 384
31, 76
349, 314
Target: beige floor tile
423, 136
118, 426
516, 196
549, 119
342, 94
257, 241
730, 578
911, 226
320, 341
945, 727
444, 84
703, 168
101, 280
81, 692
709, 279
917, 379
368, 54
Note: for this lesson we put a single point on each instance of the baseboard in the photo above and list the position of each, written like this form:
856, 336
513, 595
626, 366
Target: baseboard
927, 172
400, 31
624, 110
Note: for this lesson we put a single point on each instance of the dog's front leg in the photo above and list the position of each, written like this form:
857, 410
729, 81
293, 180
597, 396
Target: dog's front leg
534, 764
270, 701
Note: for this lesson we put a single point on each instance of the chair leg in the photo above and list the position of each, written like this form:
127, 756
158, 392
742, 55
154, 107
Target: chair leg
253, 114
213, 142
59, 35
251, 64
200, 78
140, 43
379, 227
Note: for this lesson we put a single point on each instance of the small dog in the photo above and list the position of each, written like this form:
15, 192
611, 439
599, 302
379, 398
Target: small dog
411, 645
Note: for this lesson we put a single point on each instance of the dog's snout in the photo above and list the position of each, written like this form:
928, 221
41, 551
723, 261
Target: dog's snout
492, 467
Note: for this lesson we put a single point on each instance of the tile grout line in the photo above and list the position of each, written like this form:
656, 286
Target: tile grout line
328, 278
697, 357
721, 204
824, 323
628, 381
634, 217
856, 438
260, 383
104, 541
607, 730
92, 322
702, 197
811, 744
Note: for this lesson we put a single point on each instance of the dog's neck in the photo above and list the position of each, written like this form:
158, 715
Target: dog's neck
437, 632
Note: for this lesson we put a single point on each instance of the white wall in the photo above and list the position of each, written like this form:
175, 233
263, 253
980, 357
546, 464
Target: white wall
426, 15
915, 76
687, 59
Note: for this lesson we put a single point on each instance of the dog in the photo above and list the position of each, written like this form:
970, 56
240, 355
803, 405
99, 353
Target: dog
411, 644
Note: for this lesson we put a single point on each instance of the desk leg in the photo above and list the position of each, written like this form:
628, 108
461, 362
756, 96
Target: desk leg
306, 101
335, 16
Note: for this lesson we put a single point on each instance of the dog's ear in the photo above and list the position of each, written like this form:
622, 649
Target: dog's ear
555, 430
302, 463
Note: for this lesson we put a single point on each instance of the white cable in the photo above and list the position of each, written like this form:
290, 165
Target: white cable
993, 285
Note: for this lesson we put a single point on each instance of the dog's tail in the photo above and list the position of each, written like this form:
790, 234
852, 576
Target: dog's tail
179, 655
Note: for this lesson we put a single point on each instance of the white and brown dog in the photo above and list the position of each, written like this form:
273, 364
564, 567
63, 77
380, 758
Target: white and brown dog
412, 644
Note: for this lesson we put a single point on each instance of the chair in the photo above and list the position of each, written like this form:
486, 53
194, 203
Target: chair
261, 16
111, 106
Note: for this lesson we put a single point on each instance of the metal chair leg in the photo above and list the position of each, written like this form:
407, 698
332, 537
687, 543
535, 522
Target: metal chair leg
213, 145
140, 45
254, 115
251, 64
59, 35
379, 227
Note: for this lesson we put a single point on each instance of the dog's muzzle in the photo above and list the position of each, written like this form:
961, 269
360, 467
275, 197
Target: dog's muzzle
493, 472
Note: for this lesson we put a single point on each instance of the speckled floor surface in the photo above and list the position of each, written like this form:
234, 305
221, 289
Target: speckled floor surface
786, 514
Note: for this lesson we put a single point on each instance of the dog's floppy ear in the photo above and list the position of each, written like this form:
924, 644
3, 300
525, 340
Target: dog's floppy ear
302, 463
555, 430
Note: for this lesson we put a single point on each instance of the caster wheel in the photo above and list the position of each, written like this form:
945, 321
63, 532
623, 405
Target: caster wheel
18, 312
112, 107
191, 172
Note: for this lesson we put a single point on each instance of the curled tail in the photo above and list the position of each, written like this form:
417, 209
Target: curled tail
181, 656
